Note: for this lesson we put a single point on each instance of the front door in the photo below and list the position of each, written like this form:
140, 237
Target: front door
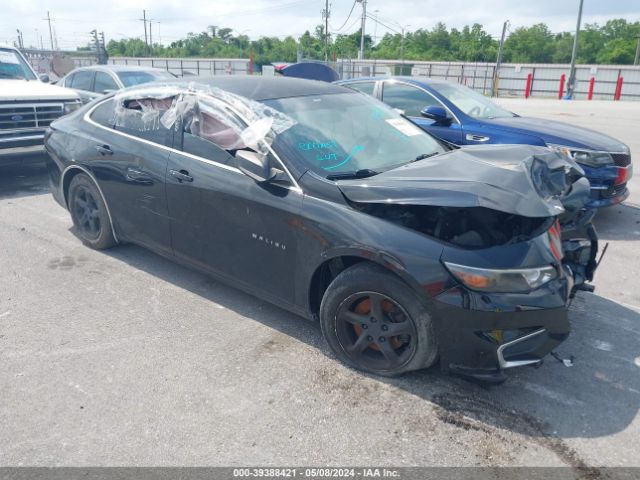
224, 221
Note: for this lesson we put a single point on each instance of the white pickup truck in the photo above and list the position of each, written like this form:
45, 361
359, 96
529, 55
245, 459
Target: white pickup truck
27, 105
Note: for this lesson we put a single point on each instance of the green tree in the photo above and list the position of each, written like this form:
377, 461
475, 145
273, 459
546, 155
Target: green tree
532, 44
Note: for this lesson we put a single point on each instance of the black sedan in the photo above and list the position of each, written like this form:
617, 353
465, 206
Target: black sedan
330, 204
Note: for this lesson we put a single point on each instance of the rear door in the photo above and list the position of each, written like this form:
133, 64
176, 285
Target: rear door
130, 161
226, 222
411, 100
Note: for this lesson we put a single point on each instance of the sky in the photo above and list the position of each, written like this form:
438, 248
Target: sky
72, 20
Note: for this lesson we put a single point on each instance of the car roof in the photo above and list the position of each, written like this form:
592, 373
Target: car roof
257, 87
404, 78
119, 68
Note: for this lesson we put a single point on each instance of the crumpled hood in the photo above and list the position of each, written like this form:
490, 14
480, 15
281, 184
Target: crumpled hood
519, 179
18, 90
562, 133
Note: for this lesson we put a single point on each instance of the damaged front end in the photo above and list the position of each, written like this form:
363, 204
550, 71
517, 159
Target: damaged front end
516, 241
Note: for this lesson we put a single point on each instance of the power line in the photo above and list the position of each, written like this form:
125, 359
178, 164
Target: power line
348, 16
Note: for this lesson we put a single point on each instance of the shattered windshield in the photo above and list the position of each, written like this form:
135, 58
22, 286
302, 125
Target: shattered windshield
470, 102
13, 66
348, 132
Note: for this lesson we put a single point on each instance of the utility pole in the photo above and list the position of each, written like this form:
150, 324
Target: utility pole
637, 60
571, 85
325, 15
144, 20
403, 28
150, 38
362, 28
50, 32
494, 84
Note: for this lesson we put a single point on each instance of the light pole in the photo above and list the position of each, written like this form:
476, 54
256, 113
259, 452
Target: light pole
402, 44
240, 41
362, 27
571, 85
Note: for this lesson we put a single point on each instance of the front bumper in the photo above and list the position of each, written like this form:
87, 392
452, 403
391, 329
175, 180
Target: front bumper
609, 183
15, 146
481, 335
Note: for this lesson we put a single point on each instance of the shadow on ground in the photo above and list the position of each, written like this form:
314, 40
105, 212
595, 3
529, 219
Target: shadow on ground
598, 396
621, 222
25, 178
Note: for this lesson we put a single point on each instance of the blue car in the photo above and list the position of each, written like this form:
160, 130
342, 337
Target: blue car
459, 115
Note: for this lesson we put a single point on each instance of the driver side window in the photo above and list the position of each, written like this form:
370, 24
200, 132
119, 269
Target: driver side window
409, 99
210, 137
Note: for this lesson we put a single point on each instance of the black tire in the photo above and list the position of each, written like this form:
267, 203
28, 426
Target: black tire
89, 213
361, 335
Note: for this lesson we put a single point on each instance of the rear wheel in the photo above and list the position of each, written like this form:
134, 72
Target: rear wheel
89, 213
373, 321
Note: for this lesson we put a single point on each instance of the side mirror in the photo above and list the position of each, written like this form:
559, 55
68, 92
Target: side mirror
436, 113
44, 78
255, 165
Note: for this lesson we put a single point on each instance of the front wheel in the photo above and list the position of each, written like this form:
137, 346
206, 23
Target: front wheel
374, 322
89, 213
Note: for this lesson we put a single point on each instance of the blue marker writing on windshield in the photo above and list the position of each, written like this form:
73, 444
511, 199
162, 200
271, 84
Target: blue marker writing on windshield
354, 150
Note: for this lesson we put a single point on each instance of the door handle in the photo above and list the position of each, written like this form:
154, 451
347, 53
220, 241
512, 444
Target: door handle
135, 175
181, 176
477, 138
104, 150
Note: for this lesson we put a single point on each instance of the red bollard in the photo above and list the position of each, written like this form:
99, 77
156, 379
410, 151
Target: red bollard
563, 78
527, 89
592, 83
618, 93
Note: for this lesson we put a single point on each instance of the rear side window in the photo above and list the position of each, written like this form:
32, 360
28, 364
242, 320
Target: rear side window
104, 82
364, 87
103, 114
141, 118
82, 80
410, 100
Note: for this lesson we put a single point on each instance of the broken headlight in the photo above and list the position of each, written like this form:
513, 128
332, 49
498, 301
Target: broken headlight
590, 158
502, 280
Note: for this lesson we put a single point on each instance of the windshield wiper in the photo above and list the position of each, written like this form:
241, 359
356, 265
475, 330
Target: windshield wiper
363, 173
425, 155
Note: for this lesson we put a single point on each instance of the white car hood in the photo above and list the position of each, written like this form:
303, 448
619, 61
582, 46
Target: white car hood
19, 90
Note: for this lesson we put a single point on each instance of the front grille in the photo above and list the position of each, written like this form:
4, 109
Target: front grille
621, 159
21, 116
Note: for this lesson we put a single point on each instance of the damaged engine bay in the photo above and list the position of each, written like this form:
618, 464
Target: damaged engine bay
474, 227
